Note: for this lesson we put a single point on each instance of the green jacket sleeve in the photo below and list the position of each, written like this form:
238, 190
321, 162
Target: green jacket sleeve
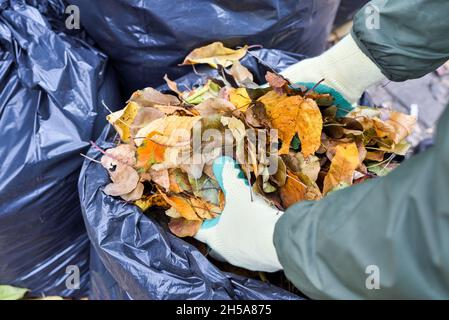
398, 223
405, 38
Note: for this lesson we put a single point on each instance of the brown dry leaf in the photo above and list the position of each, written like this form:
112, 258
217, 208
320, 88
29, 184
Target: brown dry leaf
342, 168
123, 119
124, 180
215, 54
149, 97
172, 85
240, 73
256, 116
276, 81
160, 177
184, 228
136, 194
297, 115
214, 106
123, 153
144, 116
292, 191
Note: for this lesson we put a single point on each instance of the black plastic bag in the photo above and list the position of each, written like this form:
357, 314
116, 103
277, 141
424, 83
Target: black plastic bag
138, 258
347, 10
51, 86
148, 38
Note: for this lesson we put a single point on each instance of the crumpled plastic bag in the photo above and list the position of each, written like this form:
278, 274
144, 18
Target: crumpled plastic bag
51, 86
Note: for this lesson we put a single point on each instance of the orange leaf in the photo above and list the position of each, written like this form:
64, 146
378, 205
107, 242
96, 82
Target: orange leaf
292, 191
342, 168
297, 115
192, 208
149, 153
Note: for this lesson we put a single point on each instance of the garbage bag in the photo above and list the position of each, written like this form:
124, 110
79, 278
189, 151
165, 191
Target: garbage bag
138, 257
147, 38
347, 10
51, 86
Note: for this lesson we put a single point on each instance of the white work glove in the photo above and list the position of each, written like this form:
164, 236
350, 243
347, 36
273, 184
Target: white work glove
344, 67
243, 234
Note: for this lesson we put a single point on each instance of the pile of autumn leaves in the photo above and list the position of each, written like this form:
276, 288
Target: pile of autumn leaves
319, 152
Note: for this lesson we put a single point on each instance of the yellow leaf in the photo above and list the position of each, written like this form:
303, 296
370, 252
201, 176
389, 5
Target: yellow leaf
342, 168
240, 99
215, 54
271, 99
122, 120
297, 115
155, 200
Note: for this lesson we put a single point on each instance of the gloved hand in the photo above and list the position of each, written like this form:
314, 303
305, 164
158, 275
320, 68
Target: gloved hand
344, 67
243, 234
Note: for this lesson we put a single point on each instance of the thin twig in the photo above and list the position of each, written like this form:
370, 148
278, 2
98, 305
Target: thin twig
89, 158
313, 88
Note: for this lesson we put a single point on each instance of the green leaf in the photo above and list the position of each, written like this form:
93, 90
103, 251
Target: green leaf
11, 293
296, 143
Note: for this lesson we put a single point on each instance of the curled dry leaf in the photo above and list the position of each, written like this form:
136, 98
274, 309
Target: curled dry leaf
240, 73
149, 97
215, 54
123, 119
172, 85
403, 125
134, 195
184, 228
124, 180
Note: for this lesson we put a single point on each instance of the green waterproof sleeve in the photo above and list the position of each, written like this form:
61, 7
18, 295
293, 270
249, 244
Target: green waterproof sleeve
394, 228
405, 38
